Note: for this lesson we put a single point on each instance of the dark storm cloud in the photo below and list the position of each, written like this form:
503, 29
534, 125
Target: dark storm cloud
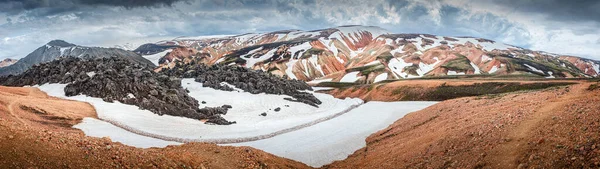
130, 3
27, 24
561, 10
57, 6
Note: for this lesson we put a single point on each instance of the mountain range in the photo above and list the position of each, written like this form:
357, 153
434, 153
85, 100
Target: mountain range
324, 98
350, 54
367, 54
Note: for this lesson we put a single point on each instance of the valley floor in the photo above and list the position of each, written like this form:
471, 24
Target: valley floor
556, 127
36, 132
314, 136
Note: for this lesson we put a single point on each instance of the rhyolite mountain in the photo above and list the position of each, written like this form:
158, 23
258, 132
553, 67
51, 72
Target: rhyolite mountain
366, 54
59, 48
7, 62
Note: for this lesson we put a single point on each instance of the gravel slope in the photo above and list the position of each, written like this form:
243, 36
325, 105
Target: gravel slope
551, 128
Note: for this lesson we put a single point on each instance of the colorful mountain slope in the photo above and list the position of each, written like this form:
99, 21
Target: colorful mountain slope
371, 54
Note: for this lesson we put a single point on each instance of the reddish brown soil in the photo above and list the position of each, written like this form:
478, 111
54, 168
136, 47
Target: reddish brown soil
385, 91
551, 128
35, 132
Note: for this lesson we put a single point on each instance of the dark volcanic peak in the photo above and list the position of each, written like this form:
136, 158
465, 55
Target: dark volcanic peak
60, 43
60, 49
118, 79
151, 48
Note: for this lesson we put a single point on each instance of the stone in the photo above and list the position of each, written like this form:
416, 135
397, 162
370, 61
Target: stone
248, 80
115, 80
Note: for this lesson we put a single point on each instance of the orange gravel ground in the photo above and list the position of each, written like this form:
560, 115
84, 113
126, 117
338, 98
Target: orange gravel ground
551, 128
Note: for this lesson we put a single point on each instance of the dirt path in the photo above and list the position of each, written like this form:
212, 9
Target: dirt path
520, 136
230, 140
11, 111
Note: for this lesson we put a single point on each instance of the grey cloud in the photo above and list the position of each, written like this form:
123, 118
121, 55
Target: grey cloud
562, 10
99, 21
57, 6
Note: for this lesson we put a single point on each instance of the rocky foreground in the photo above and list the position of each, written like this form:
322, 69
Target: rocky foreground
117, 79
36, 132
549, 128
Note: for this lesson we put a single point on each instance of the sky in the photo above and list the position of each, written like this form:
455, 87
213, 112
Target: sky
556, 26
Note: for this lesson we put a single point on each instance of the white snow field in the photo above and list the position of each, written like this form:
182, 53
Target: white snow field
337, 138
246, 111
154, 58
314, 136
98, 128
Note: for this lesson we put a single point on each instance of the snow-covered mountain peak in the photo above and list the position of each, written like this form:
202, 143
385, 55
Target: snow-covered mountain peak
370, 54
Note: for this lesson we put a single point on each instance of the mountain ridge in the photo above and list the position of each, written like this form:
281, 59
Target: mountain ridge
334, 53
60, 48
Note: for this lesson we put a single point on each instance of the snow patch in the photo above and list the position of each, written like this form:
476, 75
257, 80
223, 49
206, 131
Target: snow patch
304, 46
317, 81
373, 63
493, 69
154, 58
337, 138
251, 61
397, 50
98, 128
220, 60
288, 71
533, 68
551, 75
397, 66
485, 58
451, 72
425, 68
477, 71
314, 60
380, 77
91, 74
246, 111
596, 68
350, 77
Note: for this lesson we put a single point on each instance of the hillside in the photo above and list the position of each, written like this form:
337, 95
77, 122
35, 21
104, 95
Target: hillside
365, 54
552, 128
